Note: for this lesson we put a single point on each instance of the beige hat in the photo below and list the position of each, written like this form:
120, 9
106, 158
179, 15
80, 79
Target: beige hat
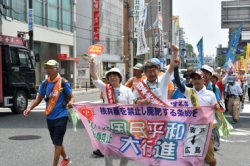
215, 74
114, 70
52, 63
138, 66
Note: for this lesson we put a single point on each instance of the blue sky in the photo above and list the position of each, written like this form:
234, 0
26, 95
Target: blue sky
202, 18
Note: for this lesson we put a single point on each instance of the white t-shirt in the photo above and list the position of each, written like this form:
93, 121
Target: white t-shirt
234, 89
123, 94
205, 97
159, 87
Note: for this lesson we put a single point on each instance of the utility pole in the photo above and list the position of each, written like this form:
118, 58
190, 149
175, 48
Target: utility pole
30, 26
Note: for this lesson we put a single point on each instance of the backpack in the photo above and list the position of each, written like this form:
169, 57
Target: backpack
66, 100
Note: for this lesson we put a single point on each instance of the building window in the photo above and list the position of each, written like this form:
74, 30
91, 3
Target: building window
52, 13
38, 12
67, 15
19, 10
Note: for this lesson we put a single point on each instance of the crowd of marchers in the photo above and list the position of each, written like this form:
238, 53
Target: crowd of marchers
223, 90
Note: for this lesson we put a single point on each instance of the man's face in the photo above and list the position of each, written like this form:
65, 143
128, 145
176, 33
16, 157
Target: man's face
189, 71
137, 72
206, 75
51, 71
198, 81
219, 70
152, 74
214, 80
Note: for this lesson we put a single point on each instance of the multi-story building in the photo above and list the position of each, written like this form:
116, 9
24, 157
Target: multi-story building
84, 38
233, 13
158, 29
53, 31
99, 22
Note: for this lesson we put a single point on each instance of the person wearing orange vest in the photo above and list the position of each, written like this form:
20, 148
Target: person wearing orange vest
155, 86
56, 92
138, 76
171, 87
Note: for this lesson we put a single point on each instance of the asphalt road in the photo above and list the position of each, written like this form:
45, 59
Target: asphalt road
26, 141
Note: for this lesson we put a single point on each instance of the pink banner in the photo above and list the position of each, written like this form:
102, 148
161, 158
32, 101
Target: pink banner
151, 134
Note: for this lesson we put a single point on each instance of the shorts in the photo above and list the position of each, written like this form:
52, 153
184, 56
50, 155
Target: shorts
57, 129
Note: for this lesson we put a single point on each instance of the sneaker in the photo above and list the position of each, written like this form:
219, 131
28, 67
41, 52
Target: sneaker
98, 153
216, 149
65, 162
234, 121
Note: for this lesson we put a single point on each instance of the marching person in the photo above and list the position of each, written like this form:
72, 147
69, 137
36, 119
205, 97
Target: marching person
242, 78
248, 85
199, 96
156, 86
207, 73
138, 76
58, 96
233, 93
160, 73
113, 92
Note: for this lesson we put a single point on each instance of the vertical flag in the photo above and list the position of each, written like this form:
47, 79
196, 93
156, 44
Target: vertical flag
231, 52
247, 57
200, 50
142, 47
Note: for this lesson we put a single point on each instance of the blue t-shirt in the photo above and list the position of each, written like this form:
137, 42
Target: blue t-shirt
177, 93
60, 110
217, 90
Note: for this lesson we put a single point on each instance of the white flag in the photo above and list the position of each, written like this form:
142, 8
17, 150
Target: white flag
142, 47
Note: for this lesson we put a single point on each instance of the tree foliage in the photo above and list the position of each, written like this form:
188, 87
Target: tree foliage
190, 50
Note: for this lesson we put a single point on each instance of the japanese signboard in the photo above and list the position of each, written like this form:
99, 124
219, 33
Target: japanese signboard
96, 20
30, 19
96, 49
150, 134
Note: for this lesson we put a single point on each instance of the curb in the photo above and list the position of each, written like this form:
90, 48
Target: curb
82, 91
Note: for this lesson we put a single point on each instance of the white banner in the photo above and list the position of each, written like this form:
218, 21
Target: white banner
142, 47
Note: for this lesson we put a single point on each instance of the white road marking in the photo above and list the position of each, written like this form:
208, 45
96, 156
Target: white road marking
237, 132
233, 141
41, 106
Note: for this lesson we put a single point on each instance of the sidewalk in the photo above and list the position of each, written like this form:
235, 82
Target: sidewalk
82, 91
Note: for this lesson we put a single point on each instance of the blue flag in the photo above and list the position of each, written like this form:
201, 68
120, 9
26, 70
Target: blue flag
200, 50
231, 52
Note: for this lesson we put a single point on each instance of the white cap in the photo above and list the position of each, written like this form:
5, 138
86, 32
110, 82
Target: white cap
207, 68
114, 70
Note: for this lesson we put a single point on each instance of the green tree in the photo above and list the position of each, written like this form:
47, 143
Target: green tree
190, 50
221, 59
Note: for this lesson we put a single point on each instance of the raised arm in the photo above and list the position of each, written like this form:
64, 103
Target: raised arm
174, 59
224, 79
178, 81
92, 69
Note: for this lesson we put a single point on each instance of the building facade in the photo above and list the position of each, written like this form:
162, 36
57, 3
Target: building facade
53, 31
84, 38
233, 13
100, 22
